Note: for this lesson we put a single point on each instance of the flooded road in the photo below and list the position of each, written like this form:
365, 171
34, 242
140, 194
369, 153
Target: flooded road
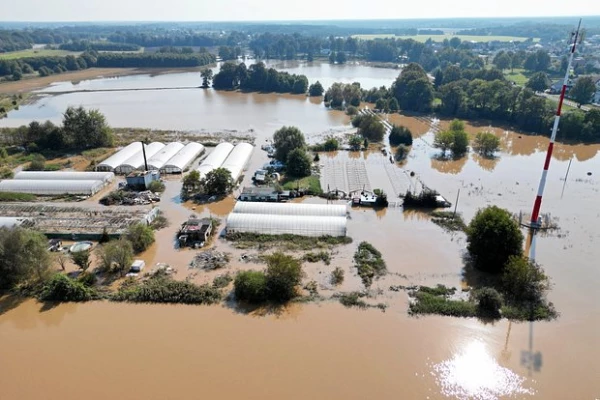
323, 351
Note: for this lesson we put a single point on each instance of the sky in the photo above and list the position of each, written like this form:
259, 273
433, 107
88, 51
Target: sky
262, 10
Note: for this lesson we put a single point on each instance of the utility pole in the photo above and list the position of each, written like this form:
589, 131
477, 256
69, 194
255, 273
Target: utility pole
144, 152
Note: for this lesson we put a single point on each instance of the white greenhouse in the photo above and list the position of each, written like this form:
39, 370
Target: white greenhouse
137, 160
9, 222
317, 210
105, 177
158, 160
120, 157
286, 224
215, 159
182, 160
237, 159
52, 188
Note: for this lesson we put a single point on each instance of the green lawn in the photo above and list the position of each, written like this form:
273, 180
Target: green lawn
517, 76
13, 55
440, 38
312, 183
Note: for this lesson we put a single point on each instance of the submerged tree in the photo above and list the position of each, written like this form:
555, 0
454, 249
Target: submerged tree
285, 140
207, 76
486, 144
218, 182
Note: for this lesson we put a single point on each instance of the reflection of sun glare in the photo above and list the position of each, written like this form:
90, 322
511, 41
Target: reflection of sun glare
474, 374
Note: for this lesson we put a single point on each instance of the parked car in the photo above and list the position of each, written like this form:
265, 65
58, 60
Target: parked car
274, 165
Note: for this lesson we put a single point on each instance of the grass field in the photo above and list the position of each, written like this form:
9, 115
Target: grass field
518, 76
13, 55
440, 38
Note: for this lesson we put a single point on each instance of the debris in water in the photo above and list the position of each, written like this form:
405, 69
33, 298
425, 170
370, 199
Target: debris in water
210, 260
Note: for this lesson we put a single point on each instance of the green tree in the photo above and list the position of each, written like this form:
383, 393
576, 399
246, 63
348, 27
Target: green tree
207, 76
381, 105
332, 57
38, 163
486, 143
413, 90
23, 255
340, 57
116, 255
583, 90
489, 302
401, 152
502, 60
331, 144
298, 163
191, 182
460, 143
523, 280
82, 259
87, 129
371, 128
538, 82
218, 182
334, 96
316, 89
443, 140
284, 274
493, 236
400, 135
250, 286
300, 85
141, 236
393, 105
355, 142
287, 139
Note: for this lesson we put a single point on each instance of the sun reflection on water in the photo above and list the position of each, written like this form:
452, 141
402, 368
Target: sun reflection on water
474, 374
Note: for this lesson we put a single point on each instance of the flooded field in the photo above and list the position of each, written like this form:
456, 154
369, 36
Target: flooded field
323, 350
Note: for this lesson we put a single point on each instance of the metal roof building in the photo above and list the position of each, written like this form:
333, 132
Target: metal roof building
317, 210
237, 159
52, 187
182, 160
215, 159
120, 157
158, 160
286, 224
106, 177
137, 160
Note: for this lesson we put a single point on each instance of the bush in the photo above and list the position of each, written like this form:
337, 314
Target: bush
523, 280
400, 135
427, 303
369, 263
87, 278
62, 288
141, 237
38, 163
353, 299
355, 142
20, 197
82, 259
493, 236
222, 281
316, 257
371, 128
486, 143
283, 274
251, 286
489, 302
163, 289
425, 199
116, 255
156, 187
337, 276
351, 110
401, 152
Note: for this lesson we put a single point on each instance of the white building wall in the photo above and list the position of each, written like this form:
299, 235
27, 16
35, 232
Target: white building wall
286, 224
183, 159
237, 159
65, 175
120, 156
322, 210
52, 187
158, 160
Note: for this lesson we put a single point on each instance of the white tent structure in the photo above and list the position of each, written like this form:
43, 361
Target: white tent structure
317, 210
237, 159
120, 157
52, 187
184, 157
137, 160
9, 222
286, 224
105, 177
215, 159
159, 159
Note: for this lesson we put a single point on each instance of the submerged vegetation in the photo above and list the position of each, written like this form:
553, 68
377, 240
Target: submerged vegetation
449, 221
369, 263
285, 241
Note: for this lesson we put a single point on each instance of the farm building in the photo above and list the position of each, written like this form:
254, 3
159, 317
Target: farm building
120, 157
317, 210
52, 187
253, 193
158, 160
105, 177
237, 159
182, 160
286, 224
215, 159
137, 160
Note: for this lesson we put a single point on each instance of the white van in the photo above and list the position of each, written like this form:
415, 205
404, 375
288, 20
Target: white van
137, 266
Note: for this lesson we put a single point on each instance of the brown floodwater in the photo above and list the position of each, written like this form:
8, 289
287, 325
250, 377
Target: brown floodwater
323, 351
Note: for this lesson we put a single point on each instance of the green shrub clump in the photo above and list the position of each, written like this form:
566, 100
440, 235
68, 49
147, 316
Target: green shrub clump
369, 263
163, 289
251, 286
62, 288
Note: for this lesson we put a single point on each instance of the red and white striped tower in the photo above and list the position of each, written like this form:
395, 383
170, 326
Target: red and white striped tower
538, 200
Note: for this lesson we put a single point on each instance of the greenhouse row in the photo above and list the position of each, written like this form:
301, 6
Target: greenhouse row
106, 177
171, 158
52, 187
237, 159
215, 159
317, 210
286, 224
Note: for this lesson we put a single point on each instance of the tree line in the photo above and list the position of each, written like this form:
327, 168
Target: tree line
86, 45
44, 66
258, 78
